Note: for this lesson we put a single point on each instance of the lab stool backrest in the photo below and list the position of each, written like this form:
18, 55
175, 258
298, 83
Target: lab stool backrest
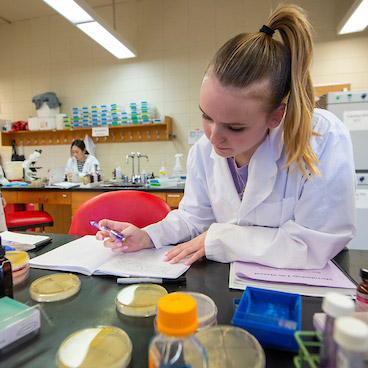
139, 208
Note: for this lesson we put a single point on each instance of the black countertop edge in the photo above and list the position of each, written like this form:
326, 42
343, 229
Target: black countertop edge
97, 189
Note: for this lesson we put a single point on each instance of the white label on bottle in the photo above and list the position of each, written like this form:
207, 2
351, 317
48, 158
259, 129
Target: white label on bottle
341, 358
361, 302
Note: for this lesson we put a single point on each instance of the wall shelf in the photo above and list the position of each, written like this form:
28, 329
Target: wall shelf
119, 134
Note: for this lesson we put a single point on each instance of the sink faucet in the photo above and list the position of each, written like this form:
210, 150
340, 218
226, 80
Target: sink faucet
139, 155
132, 155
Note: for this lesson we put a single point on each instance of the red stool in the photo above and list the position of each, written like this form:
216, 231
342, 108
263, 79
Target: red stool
23, 220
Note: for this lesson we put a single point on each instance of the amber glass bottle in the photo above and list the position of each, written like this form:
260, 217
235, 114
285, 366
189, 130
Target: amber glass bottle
362, 292
6, 276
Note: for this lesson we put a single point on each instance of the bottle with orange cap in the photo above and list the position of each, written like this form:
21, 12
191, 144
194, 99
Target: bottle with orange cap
176, 345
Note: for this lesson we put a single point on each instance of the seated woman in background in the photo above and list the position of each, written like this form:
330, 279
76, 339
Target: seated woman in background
272, 181
81, 161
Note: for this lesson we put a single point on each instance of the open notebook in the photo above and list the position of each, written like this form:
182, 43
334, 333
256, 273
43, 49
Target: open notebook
88, 256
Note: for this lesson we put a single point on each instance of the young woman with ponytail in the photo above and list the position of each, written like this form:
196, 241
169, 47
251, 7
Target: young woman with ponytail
273, 180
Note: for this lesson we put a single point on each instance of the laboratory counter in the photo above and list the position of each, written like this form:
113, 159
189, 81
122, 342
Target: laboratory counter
61, 204
94, 305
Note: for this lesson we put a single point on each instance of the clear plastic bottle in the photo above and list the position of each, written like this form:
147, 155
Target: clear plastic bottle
177, 171
6, 276
75, 176
176, 345
163, 172
334, 305
351, 337
118, 173
362, 292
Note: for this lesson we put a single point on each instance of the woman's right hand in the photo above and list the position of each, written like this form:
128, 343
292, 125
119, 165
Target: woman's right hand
135, 238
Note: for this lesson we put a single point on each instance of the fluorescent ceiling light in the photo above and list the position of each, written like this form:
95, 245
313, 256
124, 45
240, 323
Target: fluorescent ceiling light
86, 19
103, 37
70, 10
356, 20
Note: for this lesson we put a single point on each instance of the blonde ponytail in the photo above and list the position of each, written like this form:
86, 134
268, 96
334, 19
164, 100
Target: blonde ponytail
295, 32
249, 58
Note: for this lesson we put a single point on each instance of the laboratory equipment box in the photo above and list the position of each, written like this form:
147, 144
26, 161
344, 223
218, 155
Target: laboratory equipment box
271, 316
17, 322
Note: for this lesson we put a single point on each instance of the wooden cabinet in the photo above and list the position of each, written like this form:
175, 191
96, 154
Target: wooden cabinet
161, 195
173, 199
43, 197
79, 198
10, 197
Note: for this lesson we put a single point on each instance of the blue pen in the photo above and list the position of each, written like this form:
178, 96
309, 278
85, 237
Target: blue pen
110, 231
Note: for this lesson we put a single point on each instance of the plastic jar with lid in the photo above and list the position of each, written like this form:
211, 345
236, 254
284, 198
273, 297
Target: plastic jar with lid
176, 345
362, 292
206, 311
351, 337
334, 305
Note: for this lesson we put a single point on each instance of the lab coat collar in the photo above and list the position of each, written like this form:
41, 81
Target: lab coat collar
261, 178
262, 171
224, 181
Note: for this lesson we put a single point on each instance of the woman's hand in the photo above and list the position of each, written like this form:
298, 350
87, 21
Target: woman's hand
193, 248
135, 238
3, 201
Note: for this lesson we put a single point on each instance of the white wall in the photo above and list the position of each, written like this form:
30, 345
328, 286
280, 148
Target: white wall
175, 40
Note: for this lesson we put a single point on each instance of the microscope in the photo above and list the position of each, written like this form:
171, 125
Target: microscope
29, 170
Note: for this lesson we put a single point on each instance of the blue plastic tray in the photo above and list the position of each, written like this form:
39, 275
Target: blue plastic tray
271, 316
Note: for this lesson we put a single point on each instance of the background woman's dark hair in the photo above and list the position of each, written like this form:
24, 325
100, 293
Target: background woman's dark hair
80, 144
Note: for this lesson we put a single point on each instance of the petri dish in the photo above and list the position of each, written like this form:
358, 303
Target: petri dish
17, 258
95, 347
20, 275
139, 300
54, 287
231, 347
206, 310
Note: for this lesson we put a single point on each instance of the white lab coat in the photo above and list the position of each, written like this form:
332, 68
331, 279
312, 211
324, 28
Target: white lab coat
283, 220
89, 165
3, 226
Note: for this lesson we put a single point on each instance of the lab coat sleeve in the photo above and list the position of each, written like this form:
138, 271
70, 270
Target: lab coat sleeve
69, 166
194, 215
322, 224
3, 226
90, 163
93, 161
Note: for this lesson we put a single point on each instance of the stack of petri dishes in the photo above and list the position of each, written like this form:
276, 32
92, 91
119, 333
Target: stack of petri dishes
206, 310
20, 265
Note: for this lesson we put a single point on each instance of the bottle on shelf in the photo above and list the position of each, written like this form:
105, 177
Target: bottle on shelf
176, 345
